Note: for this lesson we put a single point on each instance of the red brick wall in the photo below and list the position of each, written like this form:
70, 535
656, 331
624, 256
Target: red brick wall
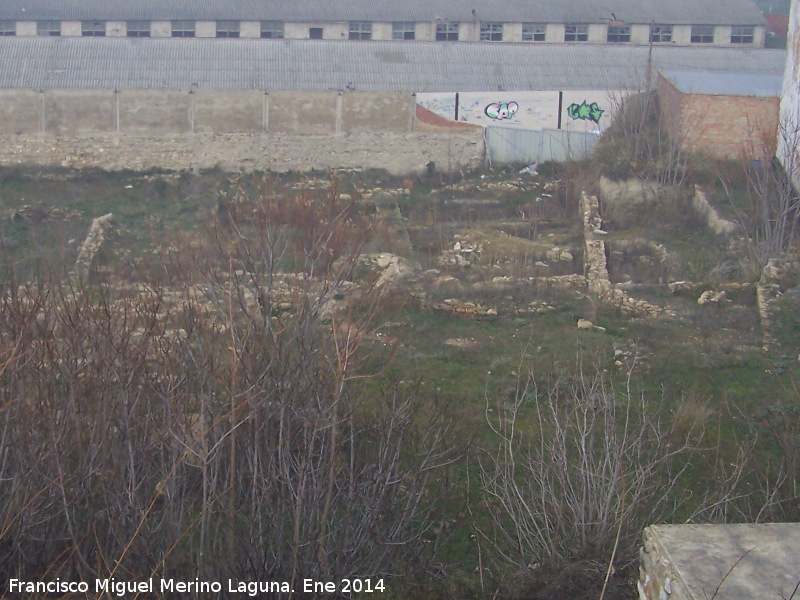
729, 126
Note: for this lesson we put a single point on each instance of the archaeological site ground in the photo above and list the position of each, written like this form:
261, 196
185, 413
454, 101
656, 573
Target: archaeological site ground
477, 384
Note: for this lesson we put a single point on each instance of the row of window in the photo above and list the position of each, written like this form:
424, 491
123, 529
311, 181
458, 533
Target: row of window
224, 29
362, 30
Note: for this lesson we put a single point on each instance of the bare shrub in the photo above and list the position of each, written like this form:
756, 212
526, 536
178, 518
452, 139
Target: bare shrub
578, 463
228, 424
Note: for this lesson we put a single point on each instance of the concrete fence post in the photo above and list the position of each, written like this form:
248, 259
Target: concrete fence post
265, 113
116, 110
191, 107
338, 122
41, 112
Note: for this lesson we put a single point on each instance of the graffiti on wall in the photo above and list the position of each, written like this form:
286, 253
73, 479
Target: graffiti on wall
501, 110
523, 109
585, 112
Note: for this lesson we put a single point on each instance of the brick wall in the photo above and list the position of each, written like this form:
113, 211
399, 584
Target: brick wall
729, 126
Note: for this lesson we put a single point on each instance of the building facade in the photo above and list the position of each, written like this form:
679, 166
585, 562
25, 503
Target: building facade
789, 131
736, 23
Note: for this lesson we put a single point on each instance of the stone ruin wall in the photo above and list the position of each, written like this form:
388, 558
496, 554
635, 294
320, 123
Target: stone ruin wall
658, 579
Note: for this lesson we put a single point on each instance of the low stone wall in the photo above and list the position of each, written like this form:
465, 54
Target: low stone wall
635, 191
727, 562
597, 279
658, 579
714, 222
398, 153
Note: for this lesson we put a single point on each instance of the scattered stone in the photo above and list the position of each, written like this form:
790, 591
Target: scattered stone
711, 297
585, 324
559, 254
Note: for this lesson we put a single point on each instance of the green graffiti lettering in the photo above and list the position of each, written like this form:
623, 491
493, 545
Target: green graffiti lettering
585, 112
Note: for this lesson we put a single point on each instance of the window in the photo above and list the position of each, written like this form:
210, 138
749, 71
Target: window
315, 33
48, 28
274, 30
227, 29
360, 30
742, 35
702, 34
447, 32
183, 29
533, 32
660, 34
618, 33
491, 32
403, 31
576, 33
93, 28
8, 28
138, 28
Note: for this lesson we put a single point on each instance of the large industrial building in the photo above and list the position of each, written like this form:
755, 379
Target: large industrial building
736, 23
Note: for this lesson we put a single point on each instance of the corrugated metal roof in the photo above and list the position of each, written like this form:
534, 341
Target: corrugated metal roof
726, 84
61, 62
675, 12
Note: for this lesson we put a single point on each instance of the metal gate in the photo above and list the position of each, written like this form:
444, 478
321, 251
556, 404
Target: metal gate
514, 145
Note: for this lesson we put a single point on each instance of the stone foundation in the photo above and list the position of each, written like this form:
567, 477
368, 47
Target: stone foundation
597, 279
398, 153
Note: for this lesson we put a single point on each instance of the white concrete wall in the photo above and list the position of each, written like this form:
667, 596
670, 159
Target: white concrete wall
535, 110
788, 142
554, 32
381, 31
425, 32
681, 34
116, 29
330, 31
469, 32
250, 29
512, 32
760, 36
26, 28
722, 36
71, 28
160, 29
205, 29
640, 34
598, 33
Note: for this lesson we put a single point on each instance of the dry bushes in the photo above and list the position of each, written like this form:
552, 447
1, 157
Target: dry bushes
226, 426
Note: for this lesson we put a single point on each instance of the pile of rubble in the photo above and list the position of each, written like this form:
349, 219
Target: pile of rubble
466, 309
536, 307
559, 254
463, 253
